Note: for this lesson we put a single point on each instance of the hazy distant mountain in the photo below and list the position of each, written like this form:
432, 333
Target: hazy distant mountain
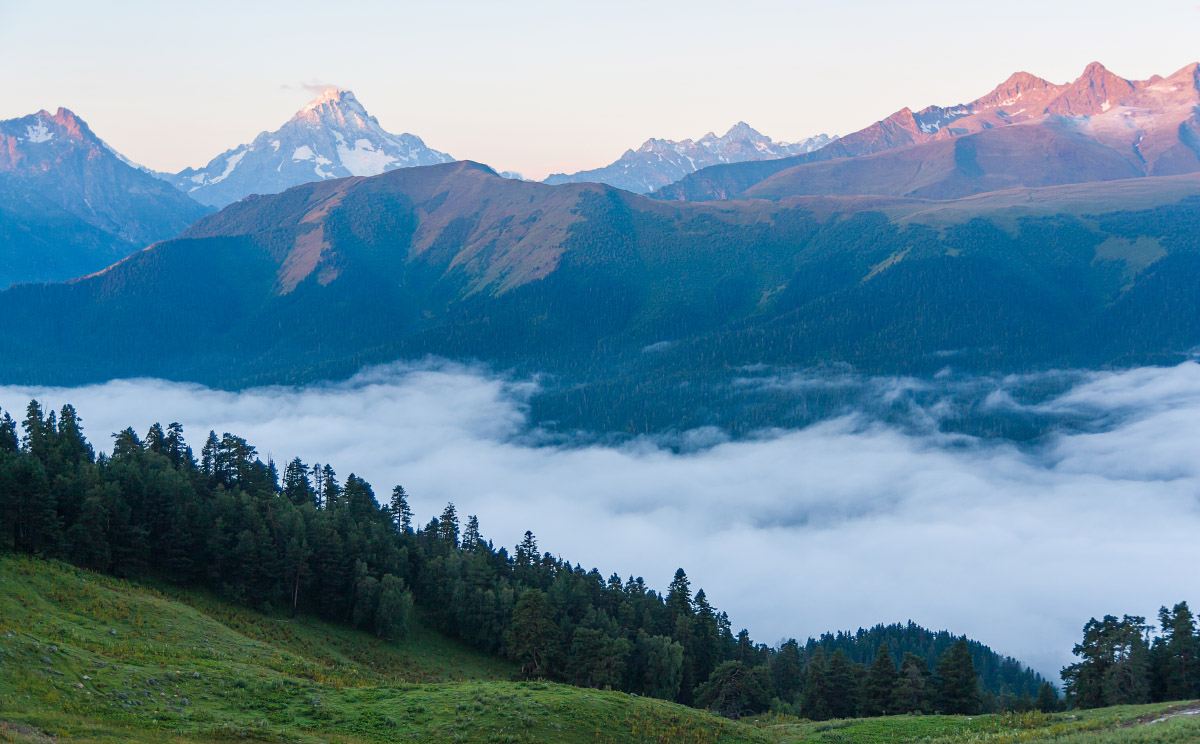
637, 307
659, 162
333, 136
70, 205
1026, 132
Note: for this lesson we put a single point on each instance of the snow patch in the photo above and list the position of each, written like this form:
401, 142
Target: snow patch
303, 152
38, 133
230, 163
363, 159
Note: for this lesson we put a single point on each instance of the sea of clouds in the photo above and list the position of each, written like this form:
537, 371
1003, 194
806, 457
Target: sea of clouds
863, 518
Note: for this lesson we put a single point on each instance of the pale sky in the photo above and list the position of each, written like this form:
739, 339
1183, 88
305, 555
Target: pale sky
541, 86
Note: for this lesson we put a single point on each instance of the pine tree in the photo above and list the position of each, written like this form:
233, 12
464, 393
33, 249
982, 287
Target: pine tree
1114, 664
471, 537
401, 513
958, 682
735, 690
880, 682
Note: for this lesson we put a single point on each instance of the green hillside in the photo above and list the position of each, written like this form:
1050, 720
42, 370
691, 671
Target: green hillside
86, 657
91, 658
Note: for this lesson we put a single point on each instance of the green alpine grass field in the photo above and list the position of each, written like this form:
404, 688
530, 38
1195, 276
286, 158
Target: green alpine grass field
89, 658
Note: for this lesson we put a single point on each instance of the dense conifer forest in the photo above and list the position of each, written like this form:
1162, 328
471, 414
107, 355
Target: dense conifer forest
305, 541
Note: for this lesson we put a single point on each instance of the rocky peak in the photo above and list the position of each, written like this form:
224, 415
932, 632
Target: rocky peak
1094, 92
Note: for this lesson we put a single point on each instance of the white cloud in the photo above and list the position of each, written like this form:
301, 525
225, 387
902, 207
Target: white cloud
845, 523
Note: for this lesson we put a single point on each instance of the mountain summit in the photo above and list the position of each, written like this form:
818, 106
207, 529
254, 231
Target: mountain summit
332, 136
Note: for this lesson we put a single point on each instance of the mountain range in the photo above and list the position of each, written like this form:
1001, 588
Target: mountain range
1041, 225
70, 205
637, 307
333, 136
1025, 132
659, 162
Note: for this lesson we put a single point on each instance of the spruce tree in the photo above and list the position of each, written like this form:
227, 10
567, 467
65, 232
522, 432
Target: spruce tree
913, 690
842, 686
958, 682
532, 637
1181, 670
1047, 698
448, 526
880, 682
814, 702
8, 434
787, 674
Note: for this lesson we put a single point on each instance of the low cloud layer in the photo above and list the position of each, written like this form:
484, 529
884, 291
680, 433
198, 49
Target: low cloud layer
850, 522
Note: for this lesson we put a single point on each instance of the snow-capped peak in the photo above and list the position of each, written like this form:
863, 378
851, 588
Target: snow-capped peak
332, 136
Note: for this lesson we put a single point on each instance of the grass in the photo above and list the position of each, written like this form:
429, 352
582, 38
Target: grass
86, 657
89, 658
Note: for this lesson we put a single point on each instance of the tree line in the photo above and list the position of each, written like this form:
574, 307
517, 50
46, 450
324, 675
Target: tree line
303, 541
1124, 662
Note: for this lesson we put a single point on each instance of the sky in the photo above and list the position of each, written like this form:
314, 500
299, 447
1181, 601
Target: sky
542, 86
840, 525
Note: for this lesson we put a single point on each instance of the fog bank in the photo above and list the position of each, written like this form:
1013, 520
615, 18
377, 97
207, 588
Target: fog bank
850, 522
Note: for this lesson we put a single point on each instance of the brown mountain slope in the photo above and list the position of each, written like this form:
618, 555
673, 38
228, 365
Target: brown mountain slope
1043, 152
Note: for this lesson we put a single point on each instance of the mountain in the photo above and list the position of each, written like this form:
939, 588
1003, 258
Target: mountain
1026, 132
333, 136
638, 307
659, 162
70, 205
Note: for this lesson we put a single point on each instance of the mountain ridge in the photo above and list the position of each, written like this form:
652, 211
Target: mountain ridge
660, 162
73, 205
1110, 111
